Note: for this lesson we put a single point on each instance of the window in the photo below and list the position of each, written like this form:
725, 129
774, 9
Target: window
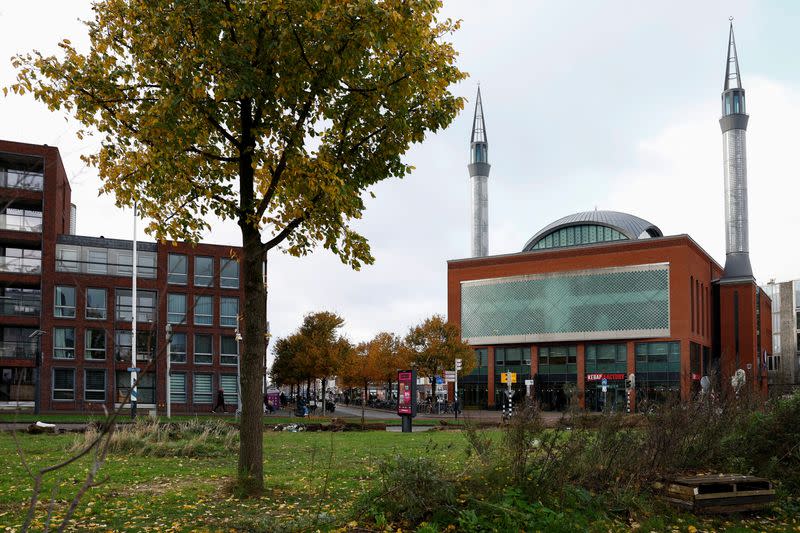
16, 219
65, 302
145, 345
97, 261
203, 310
177, 387
176, 308
204, 271
176, 269
145, 386
146, 302
63, 383
64, 343
95, 344
229, 312
558, 360
96, 304
229, 273
94, 388
658, 367
601, 358
229, 385
125, 264
17, 301
177, 351
67, 259
202, 349
229, 350
202, 388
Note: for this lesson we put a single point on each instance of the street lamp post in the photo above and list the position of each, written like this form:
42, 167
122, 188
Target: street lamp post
36, 335
238, 374
169, 370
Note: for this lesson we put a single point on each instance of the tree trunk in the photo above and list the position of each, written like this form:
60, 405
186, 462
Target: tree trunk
254, 327
324, 387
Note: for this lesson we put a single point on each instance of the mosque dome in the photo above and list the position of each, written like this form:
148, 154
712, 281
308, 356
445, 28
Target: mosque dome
592, 227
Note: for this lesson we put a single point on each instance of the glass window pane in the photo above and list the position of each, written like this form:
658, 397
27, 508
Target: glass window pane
229, 312
229, 273
204, 271
229, 350
203, 310
203, 348
229, 385
95, 385
177, 387
64, 343
176, 308
95, 344
177, 269
96, 304
202, 388
65, 302
63, 384
178, 348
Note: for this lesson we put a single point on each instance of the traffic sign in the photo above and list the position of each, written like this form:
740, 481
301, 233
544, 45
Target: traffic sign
604, 383
131, 369
504, 377
528, 382
450, 376
458, 364
605, 389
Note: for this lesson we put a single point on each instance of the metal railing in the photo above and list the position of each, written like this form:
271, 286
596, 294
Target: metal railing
20, 306
21, 223
18, 350
20, 265
19, 179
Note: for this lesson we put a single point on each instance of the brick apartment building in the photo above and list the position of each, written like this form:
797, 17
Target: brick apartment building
66, 305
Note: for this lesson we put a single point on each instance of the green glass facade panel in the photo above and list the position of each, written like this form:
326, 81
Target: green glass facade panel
577, 235
606, 358
568, 306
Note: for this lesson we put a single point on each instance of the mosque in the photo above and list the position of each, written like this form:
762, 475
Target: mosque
598, 297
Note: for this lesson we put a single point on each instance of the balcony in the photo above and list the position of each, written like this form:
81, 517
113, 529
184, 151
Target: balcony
21, 220
21, 265
18, 350
20, 305
20, 179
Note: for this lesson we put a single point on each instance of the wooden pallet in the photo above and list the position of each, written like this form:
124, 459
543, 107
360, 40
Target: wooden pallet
717, 493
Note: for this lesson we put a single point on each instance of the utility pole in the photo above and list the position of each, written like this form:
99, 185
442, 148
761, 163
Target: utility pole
455, 403
133, 370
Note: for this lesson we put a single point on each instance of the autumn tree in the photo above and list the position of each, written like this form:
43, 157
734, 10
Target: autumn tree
276, 114
325, 349
433, 347
389, 356
361, 367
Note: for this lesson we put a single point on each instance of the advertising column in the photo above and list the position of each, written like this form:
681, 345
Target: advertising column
407, 397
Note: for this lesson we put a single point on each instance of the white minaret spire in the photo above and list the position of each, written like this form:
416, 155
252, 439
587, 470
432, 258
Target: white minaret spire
734, 152
479, 176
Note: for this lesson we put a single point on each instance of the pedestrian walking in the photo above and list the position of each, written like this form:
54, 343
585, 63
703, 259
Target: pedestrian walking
219, 403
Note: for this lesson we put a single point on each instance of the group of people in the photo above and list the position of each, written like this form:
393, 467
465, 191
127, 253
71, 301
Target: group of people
271, 403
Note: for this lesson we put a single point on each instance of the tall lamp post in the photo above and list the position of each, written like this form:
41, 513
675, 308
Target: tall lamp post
169, 370
36, 336
238, 374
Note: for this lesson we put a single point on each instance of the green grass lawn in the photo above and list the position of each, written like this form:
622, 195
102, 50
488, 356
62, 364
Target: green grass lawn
308, 475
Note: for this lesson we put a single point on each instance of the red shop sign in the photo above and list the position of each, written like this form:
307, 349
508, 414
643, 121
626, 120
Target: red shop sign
609, 377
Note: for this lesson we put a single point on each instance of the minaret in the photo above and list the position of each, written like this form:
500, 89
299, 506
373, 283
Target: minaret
479, 176
734, 153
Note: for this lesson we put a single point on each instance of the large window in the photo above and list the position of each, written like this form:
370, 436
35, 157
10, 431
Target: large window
145, 343
229, 350
229, 312
203, 354
177, 353
104, 260
558, 359
21, 179
230, 386
203, 310
18, 301
63, 383
176, 308
16, 219
202, 392
20, 261
229, 273
95, 344
204, 271
658, 367
606, 358
177, 387
97, 261
177, 269
65, 302
64, 343
96, 304
577, 235
145, 386
146, 302
94, 389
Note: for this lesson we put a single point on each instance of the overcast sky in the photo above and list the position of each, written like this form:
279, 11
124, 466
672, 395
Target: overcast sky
612, 104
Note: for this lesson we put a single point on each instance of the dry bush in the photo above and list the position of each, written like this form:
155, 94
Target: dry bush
192, 438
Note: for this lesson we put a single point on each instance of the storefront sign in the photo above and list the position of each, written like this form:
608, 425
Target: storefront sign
608, 377
407, 392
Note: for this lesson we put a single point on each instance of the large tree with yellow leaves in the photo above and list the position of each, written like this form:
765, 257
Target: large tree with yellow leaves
277, 114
